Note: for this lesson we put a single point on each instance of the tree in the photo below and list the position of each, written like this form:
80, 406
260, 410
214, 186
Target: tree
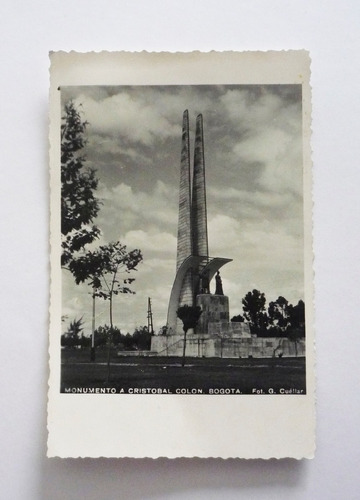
254, 311
297, 316
72, 338
106, 263
142, 338
237, 319
79, 206
189, 316
163, 330
101, 269
279, 315
297, 323
102, 334
88, 267
128, 342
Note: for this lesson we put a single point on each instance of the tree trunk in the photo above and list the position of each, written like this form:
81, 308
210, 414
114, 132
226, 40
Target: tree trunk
109, 341
92, 350
184, 349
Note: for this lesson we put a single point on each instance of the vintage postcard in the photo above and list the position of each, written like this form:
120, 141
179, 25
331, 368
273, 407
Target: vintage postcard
181, 315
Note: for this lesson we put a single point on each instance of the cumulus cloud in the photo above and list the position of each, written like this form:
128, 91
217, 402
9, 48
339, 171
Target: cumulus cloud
155, 242
133, 120
125, 209
224, 235
265, 256
104, 151
253, 153
269, 134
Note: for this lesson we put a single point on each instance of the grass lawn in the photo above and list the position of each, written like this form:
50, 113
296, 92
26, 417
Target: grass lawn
166, 375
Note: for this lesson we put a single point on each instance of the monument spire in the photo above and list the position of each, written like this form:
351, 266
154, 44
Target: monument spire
198, 209
184, 240
184, 244
194, 267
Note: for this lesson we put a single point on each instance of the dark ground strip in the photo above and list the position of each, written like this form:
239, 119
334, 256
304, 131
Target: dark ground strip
248, 376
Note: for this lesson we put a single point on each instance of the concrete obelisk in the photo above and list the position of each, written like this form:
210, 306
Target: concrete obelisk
198, 209
199, 212
194, 267
184, 240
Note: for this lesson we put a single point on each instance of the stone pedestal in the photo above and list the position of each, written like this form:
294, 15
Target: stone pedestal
215, 309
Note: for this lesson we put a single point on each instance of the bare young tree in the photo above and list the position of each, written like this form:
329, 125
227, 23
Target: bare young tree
102, 269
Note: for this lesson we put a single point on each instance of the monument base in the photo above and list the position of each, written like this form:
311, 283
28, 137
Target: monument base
215, 309
209, 346
216, 336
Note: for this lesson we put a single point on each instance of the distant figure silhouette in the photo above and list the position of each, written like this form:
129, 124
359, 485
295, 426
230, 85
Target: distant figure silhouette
218, 288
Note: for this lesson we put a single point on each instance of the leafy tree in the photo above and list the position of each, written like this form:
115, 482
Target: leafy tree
79, 206
106, 264
128, 342
254, 311
102, 334
279, 315
72, 338
85, 342
297, 316
116, 336
88, 267
238, 319
163, 330
189, 316
101, 268
142, 338
297, 322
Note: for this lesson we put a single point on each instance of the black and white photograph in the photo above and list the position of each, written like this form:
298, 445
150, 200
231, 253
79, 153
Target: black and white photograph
182, 240
181, 249
180, 254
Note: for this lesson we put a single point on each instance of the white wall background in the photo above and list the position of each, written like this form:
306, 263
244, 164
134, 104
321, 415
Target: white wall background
330, 30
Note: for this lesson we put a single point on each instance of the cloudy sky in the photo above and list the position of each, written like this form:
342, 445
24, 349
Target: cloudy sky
253, 156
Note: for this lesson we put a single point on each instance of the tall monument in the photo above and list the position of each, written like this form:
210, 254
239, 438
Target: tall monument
194, 268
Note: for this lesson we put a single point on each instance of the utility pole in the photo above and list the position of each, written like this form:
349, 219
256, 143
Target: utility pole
92, 350
150, 318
